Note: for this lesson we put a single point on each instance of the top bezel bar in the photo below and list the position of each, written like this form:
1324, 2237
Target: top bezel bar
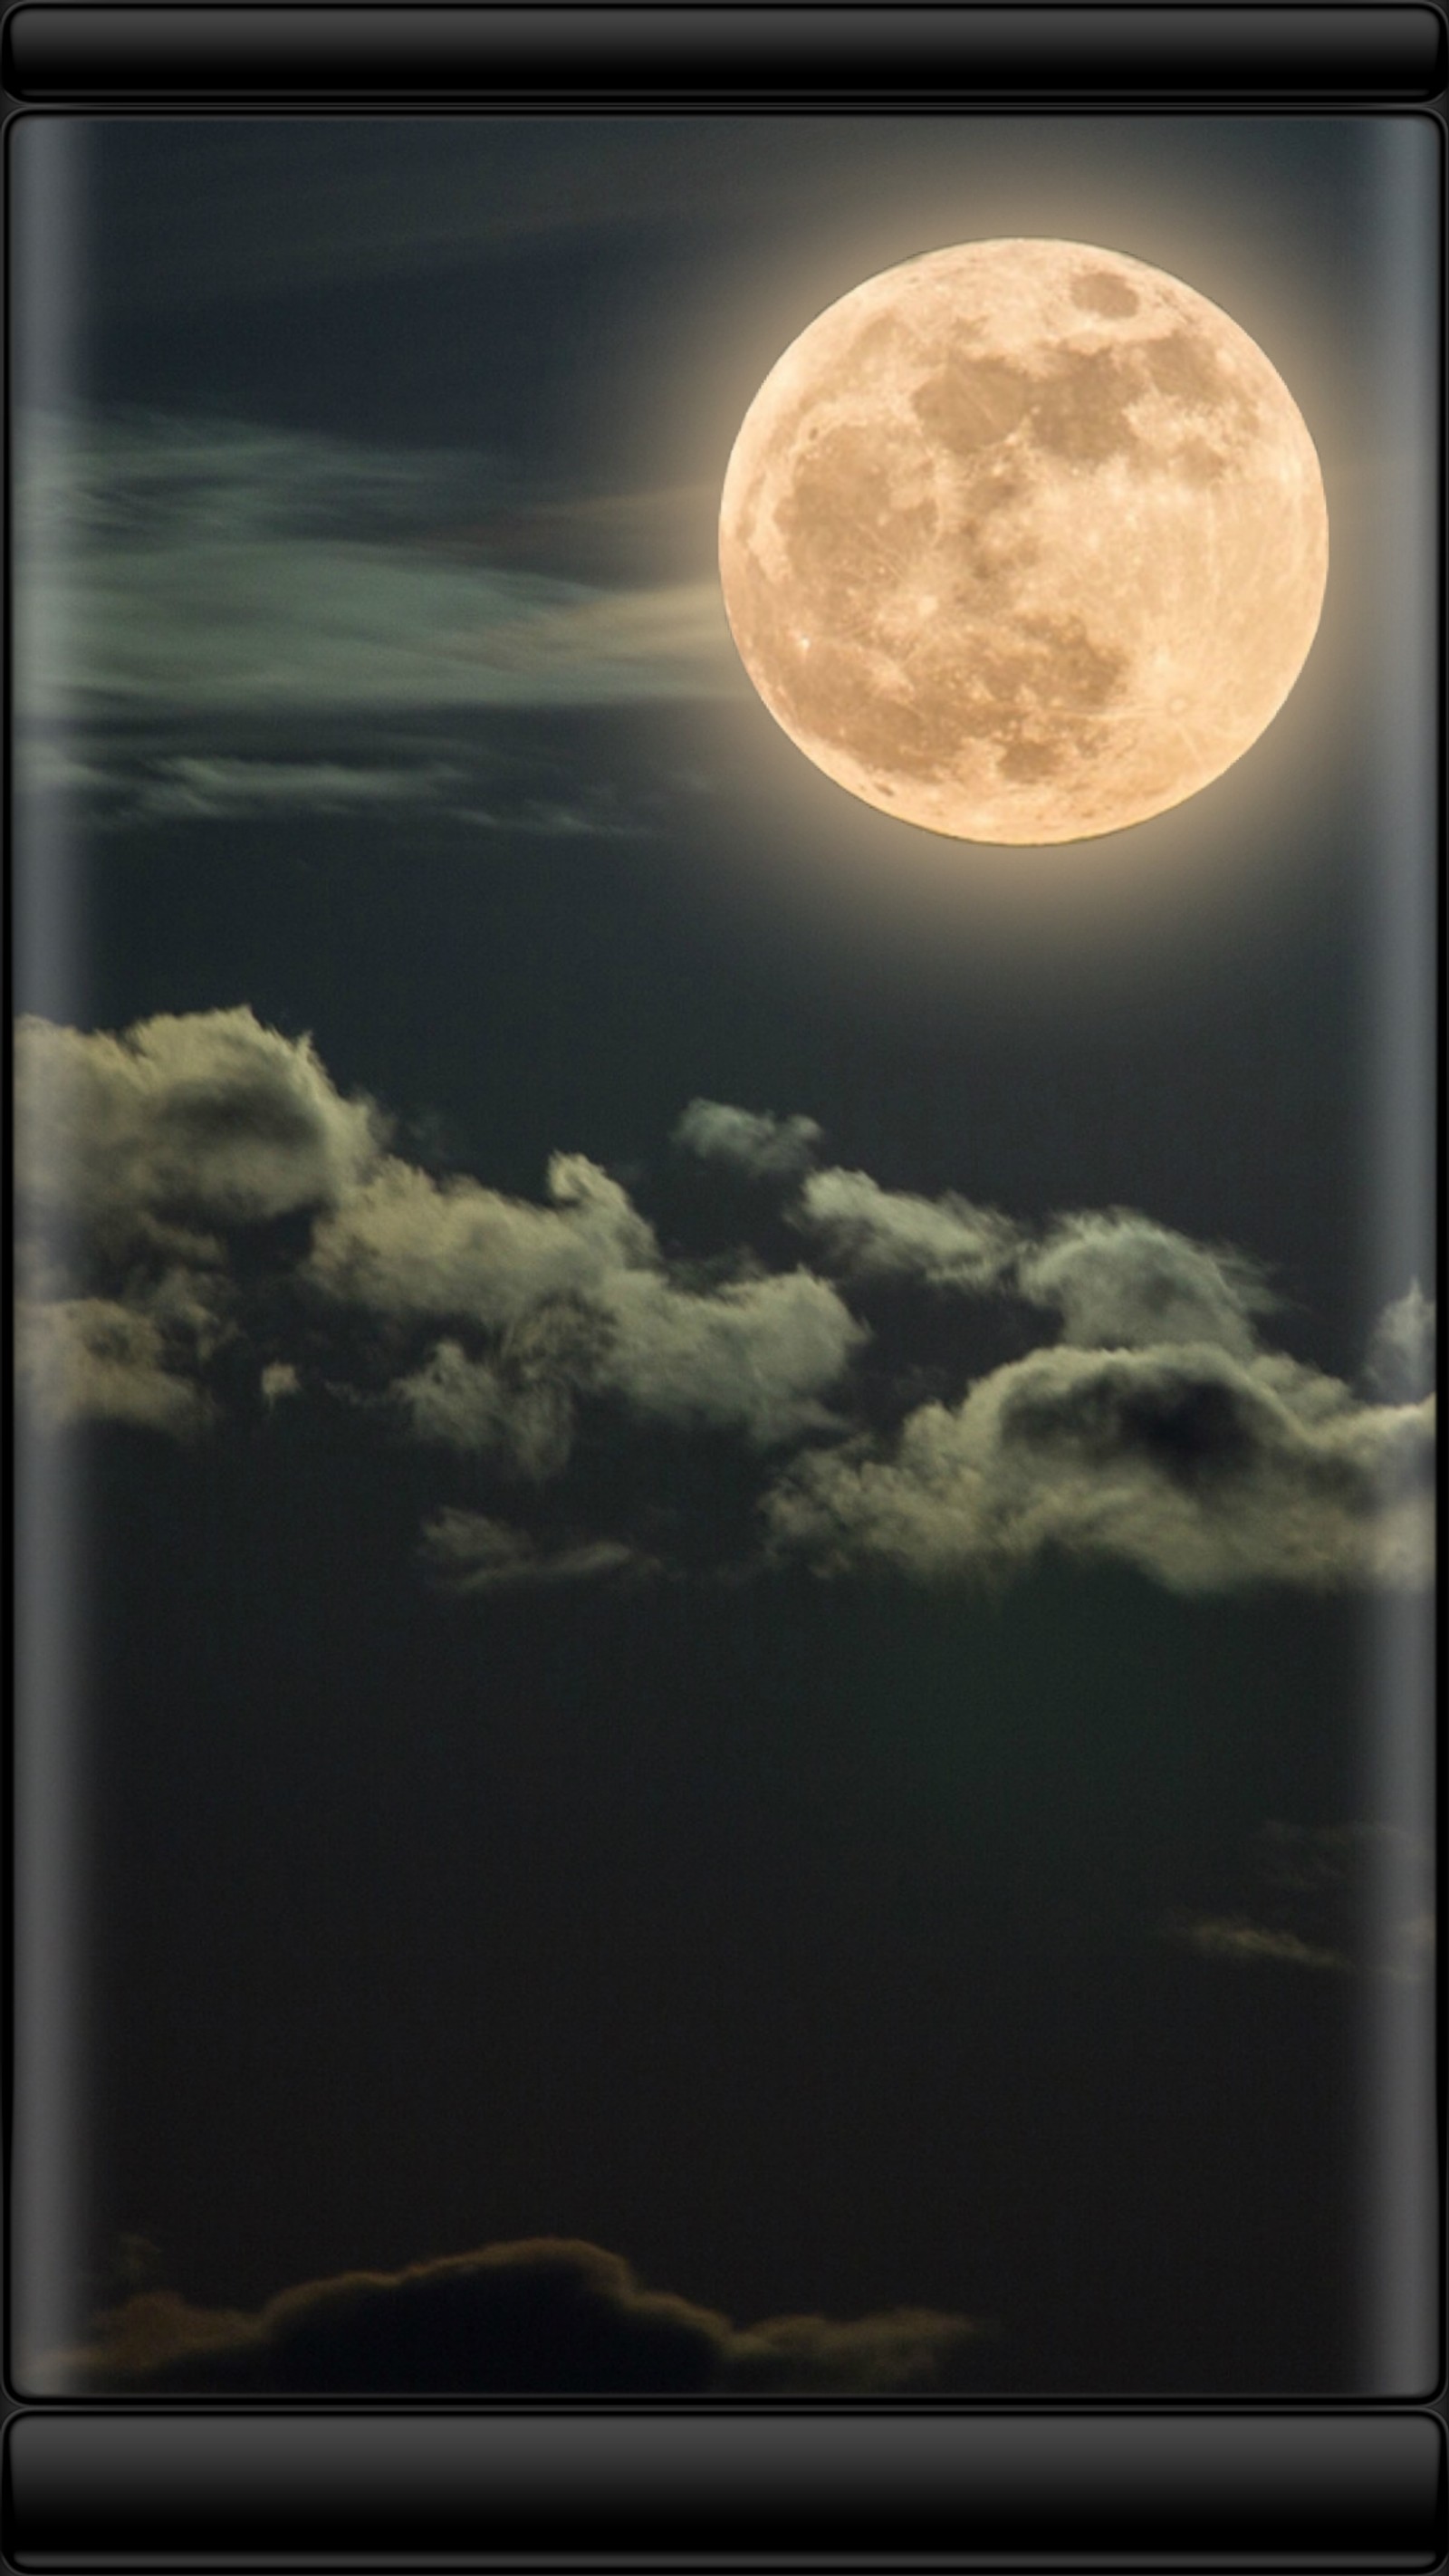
61, 55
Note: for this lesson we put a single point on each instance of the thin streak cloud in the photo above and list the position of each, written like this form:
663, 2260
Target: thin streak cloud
242, 572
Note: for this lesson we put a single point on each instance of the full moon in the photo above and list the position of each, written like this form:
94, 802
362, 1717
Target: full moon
1023, 541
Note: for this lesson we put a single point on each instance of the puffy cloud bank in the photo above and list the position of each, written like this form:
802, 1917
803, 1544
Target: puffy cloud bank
945, 1242
544, 2317
138, 1158
203, 1210
1204, 1470
94, 1358
208, 1119
1118, 1280
1402, 1347
145, 1161
583, 1279
753, 1142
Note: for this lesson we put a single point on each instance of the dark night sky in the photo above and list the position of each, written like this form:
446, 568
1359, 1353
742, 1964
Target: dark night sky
817, 1940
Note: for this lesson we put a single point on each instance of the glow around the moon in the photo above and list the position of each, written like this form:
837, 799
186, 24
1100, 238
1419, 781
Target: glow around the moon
1023, 541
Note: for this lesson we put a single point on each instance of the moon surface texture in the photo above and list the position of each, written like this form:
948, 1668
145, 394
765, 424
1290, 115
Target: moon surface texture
1023, 541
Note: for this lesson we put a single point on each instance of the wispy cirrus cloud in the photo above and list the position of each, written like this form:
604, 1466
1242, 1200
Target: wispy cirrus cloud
186, 788
341, 217
215, 570
125, 777
552, 819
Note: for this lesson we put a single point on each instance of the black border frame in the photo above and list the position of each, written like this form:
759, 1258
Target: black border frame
1315, 56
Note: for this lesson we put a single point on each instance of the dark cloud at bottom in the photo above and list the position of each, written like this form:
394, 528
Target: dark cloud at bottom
543, 2317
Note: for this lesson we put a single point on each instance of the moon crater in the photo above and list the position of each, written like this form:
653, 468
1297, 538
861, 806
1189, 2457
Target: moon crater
1023, 541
